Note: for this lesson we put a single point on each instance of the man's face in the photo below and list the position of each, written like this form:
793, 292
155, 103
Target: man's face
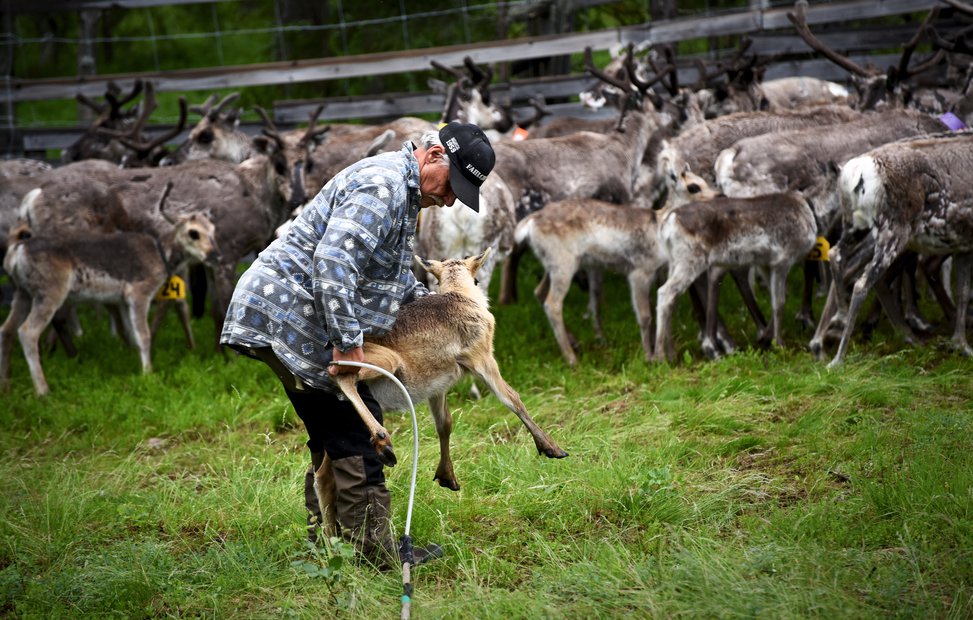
434, 180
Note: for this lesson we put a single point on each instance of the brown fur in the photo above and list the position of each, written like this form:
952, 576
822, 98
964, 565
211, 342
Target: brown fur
434, 341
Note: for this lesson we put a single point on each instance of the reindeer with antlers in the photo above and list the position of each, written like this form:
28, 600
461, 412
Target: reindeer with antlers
124, 268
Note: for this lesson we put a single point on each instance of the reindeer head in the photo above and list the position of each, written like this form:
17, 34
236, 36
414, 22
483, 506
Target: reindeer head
457, 274
196, 237
290, 154
215, 136
193, 235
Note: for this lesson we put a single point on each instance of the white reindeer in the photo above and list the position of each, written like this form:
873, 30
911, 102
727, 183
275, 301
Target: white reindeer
913, 194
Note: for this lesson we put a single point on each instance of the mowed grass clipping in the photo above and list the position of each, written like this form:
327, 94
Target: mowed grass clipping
760, 485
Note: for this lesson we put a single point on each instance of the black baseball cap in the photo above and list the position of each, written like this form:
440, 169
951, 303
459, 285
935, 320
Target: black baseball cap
471, 158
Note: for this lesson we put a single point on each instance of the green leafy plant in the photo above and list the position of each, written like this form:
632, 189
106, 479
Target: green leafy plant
326, 563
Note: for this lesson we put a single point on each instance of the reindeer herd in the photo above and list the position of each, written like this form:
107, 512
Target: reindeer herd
728, 175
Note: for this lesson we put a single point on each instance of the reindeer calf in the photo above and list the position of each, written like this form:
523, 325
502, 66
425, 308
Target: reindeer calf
434, 341
585, 233
773, 231
123, 268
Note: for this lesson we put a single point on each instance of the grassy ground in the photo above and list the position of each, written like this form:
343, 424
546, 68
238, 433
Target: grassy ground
762, 485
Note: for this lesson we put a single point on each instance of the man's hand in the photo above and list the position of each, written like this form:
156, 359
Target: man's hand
351, 355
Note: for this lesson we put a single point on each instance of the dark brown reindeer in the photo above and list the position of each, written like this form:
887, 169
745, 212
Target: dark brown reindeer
123, 268
144, 151
913, 194
108, 115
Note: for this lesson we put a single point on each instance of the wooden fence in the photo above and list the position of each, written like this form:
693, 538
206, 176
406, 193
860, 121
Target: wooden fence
772, 33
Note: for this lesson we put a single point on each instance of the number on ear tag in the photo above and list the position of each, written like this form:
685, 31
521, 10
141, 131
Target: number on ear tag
174, 288
820, 250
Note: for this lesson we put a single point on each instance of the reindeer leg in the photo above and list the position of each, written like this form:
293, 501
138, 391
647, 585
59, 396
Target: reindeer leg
746, 293
887, 250
682, 276
910, 290
595, 281
934, 268
19, 309
640, 286
560, 281
42, 310
713, 279
827, 314
485, 367
138, 322
778, 293
444, 427
508, 278
187, 327
324, 488
812, 273
162, 308
961, 263
380, 437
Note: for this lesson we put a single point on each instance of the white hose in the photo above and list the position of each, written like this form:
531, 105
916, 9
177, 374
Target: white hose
415, 432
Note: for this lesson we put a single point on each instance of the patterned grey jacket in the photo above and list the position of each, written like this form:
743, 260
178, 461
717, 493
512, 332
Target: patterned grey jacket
340, 273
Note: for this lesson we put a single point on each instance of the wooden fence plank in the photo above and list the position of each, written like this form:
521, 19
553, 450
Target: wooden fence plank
321, 69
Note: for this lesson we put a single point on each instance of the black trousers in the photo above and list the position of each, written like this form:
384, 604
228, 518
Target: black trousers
333, 426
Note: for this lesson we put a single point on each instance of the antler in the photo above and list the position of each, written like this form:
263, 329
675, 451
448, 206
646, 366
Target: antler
203, 108
215, 111
312, 131
589, 65
143, 149
134, 132
540, 111
160, 206
903, 71
958, 45
481, 79
116, 104
960, 6
456, 73
799, 19
270, 129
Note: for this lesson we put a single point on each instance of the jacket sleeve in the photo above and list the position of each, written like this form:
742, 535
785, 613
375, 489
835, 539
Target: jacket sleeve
360, 220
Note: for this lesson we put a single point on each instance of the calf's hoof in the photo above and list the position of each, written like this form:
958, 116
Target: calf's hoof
450, 484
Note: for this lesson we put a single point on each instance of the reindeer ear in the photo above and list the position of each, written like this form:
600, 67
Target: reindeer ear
432, 266
476, 262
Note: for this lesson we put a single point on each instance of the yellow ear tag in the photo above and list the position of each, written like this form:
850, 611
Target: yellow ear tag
174, 288
520, 134
820, 250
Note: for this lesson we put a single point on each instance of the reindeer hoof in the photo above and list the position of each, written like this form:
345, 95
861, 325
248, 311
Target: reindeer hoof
554, 453
387, 456
452, 485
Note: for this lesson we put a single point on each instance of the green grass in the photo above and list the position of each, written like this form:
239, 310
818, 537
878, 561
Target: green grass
761, 485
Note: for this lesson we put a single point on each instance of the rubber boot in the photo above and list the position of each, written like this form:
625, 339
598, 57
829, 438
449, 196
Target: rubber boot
363, 516
314, 516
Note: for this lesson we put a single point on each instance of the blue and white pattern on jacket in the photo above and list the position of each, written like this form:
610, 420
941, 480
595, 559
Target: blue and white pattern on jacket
340, 273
